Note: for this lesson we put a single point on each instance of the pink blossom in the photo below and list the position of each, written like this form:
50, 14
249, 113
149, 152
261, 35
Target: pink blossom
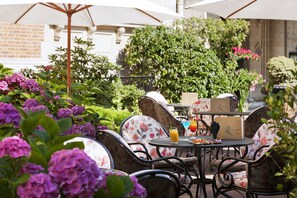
14, 147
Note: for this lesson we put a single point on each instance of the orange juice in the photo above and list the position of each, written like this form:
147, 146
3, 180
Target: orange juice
174, 135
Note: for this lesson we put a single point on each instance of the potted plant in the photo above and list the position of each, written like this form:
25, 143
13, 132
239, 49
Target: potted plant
241, 54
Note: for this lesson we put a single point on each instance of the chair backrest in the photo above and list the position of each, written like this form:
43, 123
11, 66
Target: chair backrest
158, 183
261, 175
253, 122
233, 100
157, 96
202, 104
141, 128
264, 136
122, 154
146, 105
167, 119
95, 150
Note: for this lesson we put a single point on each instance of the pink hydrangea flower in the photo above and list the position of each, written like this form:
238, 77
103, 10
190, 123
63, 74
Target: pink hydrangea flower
38, 186
14, 147
3, 86
15, 79
75, 173
9, 114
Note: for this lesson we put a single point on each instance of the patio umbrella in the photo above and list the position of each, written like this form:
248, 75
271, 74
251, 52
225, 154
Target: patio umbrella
86, 13
249, 9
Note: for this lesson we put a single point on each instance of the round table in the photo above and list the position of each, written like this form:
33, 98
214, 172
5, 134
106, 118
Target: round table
185, 142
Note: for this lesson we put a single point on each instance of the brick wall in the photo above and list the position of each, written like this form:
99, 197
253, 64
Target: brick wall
20, 40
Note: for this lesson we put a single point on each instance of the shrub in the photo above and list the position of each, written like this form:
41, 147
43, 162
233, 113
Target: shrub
282, 70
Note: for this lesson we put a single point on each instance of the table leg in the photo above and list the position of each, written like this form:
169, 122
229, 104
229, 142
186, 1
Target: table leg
202, 180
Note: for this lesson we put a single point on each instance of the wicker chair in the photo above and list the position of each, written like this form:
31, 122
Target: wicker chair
146, 105
125, 159
158, 183
258, 178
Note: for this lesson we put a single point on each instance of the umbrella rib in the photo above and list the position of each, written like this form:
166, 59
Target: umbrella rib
250, 3
149, 15
55, 7
24, 13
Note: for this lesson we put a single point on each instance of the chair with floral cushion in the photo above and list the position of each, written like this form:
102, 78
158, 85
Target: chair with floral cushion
259, 177
158, 183
141, 128
253, 128
263, 140
125, 159
95, 150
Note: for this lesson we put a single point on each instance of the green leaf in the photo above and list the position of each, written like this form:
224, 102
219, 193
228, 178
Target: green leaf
22, 179
64, 124
50, 126
31, 122
38, 158
117, 186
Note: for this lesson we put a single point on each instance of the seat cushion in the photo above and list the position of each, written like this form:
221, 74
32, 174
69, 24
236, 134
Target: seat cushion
140, 128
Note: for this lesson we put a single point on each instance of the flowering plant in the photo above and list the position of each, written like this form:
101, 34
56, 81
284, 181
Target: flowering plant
34, 124
239, 53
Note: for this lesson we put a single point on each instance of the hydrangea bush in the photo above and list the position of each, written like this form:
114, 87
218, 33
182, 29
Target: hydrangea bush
34, 124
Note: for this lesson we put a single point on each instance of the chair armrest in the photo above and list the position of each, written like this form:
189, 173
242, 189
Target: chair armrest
259, 149
148, 156
145, 151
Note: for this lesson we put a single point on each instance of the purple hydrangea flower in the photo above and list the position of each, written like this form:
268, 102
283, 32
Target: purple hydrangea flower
78, 110
75, 173
38, 185
15, 79
31, 102
31, 85
14, 147
102, 128
9, 114
3, 86
86, 129
31, 168
139, 190
64, 113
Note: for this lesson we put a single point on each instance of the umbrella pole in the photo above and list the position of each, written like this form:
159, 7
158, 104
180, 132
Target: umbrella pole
69, 15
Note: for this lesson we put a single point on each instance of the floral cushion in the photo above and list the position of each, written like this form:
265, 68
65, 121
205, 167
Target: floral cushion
263, 136
202, 104
141, 128
95, 151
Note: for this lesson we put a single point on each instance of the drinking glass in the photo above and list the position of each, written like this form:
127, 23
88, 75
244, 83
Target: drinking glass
186, 125
174, 138
193, 126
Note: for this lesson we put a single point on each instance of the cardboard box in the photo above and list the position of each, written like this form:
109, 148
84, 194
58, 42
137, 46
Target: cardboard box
231, 127
220, 104
188, 98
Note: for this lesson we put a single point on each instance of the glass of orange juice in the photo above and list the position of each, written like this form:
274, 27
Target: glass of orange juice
174, 135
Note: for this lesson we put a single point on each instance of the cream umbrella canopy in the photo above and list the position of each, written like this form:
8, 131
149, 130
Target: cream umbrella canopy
85, 13
249, 9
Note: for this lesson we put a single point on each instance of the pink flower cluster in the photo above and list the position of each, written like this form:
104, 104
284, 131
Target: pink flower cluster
75, 172
242, 53
14, 147
38, 185
9, 114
